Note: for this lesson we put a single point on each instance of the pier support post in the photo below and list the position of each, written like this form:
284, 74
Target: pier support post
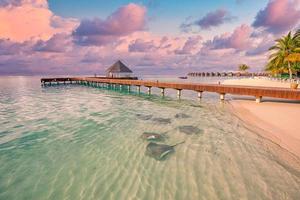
149, 90
222, 96
178, 94
200, 95
138, 89
258, 99
129, 88
162, 91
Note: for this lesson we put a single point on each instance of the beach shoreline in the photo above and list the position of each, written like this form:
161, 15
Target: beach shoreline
280, 132
276, 120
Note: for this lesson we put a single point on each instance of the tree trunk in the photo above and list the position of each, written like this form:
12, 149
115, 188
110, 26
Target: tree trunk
290, 71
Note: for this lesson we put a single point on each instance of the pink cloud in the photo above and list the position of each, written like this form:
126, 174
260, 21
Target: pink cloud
189, 46
126, 20
147, 42
58, 43
278, 16
27, 19
141, 46
239, 39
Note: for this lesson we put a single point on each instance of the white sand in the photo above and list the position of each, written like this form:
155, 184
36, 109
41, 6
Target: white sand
257, 81
278, 120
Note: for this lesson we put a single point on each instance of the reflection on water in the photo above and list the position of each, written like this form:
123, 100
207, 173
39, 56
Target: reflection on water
77, 142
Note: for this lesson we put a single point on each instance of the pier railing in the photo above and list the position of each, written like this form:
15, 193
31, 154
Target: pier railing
257, 92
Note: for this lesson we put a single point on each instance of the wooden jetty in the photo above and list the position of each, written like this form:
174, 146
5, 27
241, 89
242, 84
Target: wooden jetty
257, 92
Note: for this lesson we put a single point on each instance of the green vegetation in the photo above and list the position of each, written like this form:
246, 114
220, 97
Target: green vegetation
243, 67
285, 55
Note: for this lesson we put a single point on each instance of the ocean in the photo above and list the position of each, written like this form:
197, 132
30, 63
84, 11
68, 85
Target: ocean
80, 142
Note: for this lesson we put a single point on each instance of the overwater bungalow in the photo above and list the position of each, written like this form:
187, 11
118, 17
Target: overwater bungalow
119, 70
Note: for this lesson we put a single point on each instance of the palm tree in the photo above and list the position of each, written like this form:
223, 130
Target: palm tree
297, 37
284, 47
275, 69
243, 67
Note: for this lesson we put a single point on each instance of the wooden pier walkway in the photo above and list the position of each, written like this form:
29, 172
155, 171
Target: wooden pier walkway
257, 92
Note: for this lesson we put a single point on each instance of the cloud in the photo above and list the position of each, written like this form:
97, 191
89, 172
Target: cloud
40, 3
126, 20
95, 44
189, 46
147, 42
57, 44
142, 46
261, 42
28, 19
8, 47
278, 16
239, 39
211, 19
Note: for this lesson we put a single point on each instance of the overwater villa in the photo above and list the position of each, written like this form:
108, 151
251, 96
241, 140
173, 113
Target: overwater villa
119, 70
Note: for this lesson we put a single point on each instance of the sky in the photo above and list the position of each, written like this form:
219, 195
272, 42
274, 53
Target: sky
67, 37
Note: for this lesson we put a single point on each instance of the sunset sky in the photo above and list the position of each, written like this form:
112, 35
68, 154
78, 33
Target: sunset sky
40, 37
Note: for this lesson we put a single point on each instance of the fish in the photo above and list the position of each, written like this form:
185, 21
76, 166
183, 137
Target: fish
144, 117
182, 116
162, 120
189, 130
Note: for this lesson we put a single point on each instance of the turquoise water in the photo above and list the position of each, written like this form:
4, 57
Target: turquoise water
78, 142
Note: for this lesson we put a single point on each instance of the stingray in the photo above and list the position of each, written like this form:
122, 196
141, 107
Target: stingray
196, 106
153, 136
182, 116
160, 151
189, 130
162, 120
144, 117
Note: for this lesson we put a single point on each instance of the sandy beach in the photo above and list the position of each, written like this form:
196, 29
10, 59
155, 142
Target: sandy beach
257, 81
277, 120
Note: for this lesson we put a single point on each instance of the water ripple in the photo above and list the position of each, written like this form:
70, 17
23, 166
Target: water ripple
76, 142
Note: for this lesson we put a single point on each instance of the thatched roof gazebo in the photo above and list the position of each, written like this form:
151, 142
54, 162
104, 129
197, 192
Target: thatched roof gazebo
119, 70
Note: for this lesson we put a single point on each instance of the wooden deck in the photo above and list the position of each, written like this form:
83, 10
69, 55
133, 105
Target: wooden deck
258, 92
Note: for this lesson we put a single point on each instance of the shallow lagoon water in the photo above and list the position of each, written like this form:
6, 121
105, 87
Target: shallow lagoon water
78, 142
